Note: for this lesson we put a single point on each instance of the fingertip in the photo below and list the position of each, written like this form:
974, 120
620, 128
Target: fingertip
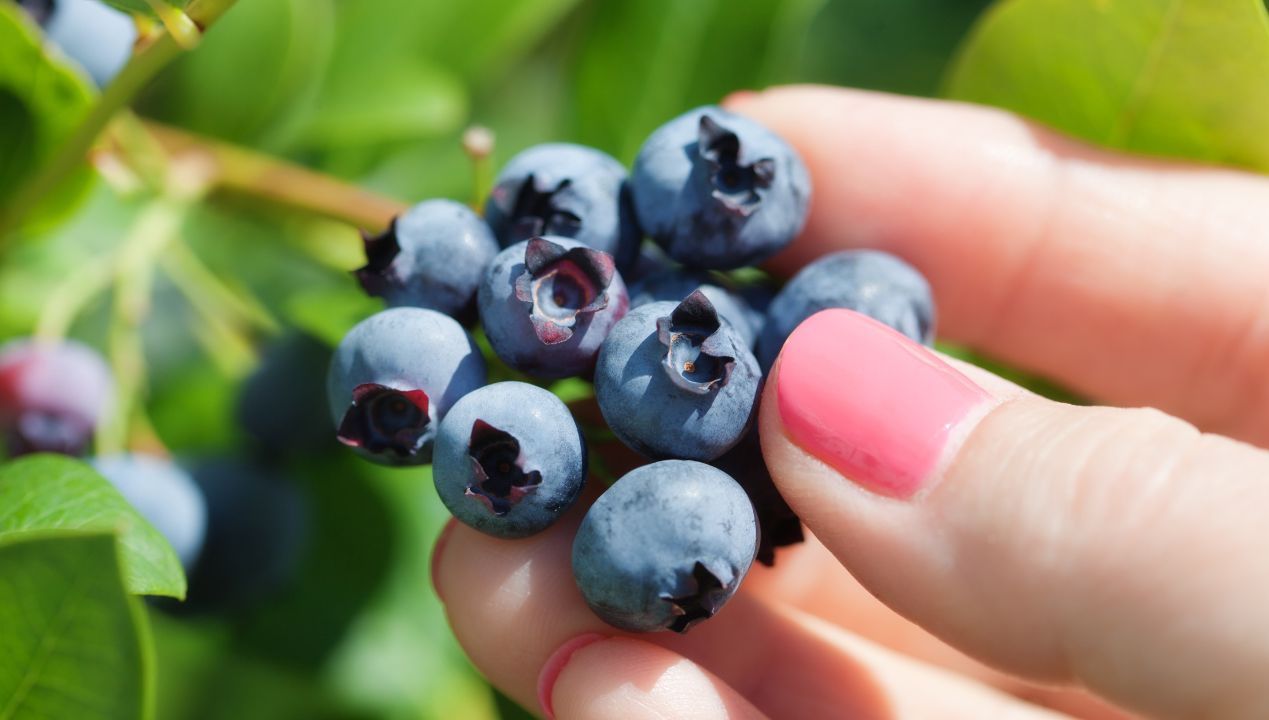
631, 679
555, 665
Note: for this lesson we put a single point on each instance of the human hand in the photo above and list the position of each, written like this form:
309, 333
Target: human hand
1116, 549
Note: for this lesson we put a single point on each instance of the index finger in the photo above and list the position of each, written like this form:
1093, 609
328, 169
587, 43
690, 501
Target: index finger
1134, 281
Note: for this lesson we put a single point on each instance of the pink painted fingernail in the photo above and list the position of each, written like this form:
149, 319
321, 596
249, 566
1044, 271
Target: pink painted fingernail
876, 406
554, 665
438, 547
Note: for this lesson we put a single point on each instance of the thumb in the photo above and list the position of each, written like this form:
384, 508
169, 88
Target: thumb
1121, 549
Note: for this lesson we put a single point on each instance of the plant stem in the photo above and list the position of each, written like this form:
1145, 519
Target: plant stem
237, 169
71, 295
157, 223
143, 66
210, 295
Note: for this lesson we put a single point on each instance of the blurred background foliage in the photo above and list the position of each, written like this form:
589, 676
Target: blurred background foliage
378, 92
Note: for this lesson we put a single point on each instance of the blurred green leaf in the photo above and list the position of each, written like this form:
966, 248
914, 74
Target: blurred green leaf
353, 543
42, 100
39, 493
1185, 78
75, 644
893, 45
254, 77
367, 104
201, 678
401, 659
329, 314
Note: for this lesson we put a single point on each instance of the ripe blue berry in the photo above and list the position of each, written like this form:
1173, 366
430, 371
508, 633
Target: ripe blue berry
95, 35
276, 406
778, 525
548, 303
432, 256
569, 191
392, 379
677, 381
52, 396
165, 495
718, 190
258, 529
509, 459
665, 547
674, 285
871, 282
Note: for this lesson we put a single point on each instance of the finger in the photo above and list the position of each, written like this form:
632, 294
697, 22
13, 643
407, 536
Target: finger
1135, 281
513, 605
1116, 548
628, 679
809, 577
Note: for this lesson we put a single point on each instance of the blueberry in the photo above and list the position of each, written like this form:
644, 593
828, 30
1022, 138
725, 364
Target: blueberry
509, 459
165, 495
392, 379
568, 191
93, 34
258, 529
718, 190
871, 282
548, 303
432, 256
778, 525
677, 381
276, 406
675, 284
53, 396
665, 547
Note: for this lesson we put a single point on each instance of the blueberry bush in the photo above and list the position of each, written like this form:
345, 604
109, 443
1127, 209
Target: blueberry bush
187, 188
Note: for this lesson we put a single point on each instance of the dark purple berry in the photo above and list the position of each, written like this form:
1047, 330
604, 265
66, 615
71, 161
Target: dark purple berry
53, 396
548, 303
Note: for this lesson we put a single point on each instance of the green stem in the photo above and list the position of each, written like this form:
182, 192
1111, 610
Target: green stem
70, 297
155, 226
259, 176
142, 68
211, 296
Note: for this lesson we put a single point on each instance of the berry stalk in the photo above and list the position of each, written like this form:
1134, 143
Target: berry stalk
144, 65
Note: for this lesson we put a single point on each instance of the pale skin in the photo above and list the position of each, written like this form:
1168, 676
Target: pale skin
1125, 551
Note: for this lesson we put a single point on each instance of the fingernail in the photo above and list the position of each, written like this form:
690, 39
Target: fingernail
876, 406
437, 548
554, 665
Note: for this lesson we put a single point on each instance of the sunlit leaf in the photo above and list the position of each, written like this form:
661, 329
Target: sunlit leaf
1185, 78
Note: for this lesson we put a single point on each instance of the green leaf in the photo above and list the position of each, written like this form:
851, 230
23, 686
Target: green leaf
40, 493
42, 100
367, 104
253, 77
73, 643
1185, 78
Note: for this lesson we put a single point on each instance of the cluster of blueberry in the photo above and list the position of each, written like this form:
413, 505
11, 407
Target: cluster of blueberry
676, 348
237, 525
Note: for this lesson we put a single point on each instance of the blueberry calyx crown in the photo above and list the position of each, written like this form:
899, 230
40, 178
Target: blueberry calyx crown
381, 418
498, 466
736, 183
375, 276
562, 284
696, 356
707, 593
536, 212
